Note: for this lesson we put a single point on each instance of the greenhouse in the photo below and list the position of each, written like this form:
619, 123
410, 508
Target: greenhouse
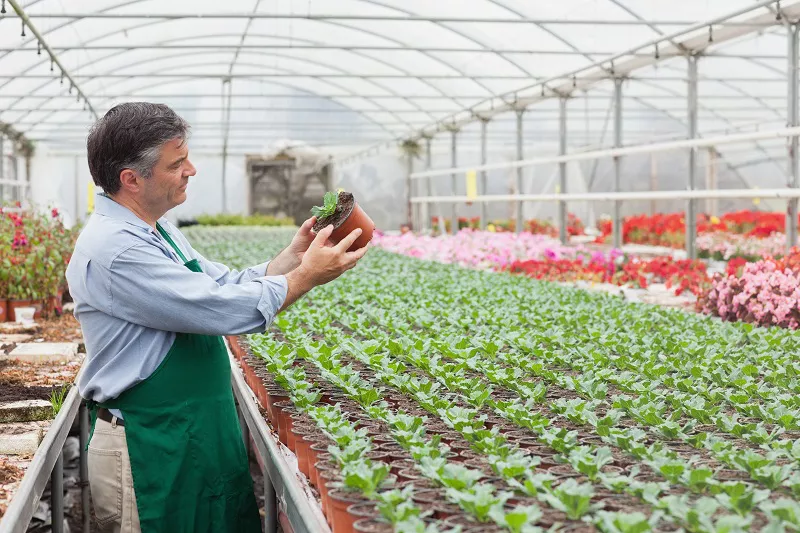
413, 266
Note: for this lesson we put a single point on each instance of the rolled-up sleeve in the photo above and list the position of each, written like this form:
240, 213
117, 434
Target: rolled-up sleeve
150, 289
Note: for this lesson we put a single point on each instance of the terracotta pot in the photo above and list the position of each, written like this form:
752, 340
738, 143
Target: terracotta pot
313, 458
372, 525
326, 476
403, 464
357, 218
302, 450
434, 500
339, 501
564, 471
4, 310
479, 464
409, 474
366, 509
274, 397
14, 304
236, 349
283, 418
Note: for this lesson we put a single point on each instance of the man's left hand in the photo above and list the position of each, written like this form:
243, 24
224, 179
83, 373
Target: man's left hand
302, 240
292, 255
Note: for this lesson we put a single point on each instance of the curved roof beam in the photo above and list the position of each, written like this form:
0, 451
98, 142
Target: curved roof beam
333, 23
389, 90
659, 32
300, 90
267, 54
345, 89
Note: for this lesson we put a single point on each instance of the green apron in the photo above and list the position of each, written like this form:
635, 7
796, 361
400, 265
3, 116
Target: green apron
188, 460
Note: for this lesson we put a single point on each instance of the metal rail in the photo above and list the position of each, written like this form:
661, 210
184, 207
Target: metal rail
688, 194
47, 466
280, 483
624, 151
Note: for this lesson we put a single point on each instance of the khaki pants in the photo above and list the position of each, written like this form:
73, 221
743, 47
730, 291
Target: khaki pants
111, 481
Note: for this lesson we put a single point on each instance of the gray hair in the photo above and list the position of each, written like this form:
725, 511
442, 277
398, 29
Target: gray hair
131, 136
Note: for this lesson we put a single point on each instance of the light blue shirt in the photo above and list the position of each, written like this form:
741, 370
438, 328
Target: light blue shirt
132, 294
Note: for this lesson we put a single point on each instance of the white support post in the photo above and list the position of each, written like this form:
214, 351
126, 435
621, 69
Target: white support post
793, 108
691, 204
454, 177
2, 168
562, 169
653, 181
711, 181
409, 191
617, 224
520, 155
484, 175
426, 207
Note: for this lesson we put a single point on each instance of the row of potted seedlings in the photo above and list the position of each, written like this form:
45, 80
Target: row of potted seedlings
344, 454
572, 499
736, 496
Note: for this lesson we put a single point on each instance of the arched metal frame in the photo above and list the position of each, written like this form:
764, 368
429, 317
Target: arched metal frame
360, 25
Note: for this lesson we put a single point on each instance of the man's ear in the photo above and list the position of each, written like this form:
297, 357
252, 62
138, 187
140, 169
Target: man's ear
129, 180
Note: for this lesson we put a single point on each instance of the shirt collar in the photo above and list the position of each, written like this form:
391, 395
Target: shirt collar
107, 207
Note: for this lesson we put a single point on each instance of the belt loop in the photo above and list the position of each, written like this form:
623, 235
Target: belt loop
114, 422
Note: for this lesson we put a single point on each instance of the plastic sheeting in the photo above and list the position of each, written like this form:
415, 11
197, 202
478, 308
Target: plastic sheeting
360, 71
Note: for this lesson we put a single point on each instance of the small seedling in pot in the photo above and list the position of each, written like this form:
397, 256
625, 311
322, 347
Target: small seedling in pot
520, 519
622, 522
396, 505
365, 476
572, 498
341, 210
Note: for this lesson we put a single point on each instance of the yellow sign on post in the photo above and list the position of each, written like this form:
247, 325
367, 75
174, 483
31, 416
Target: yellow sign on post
90, 197
472, 184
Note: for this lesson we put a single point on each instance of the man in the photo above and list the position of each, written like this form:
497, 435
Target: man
166, 453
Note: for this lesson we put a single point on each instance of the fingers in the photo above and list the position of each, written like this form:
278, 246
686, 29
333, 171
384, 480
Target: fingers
307, 225
306, 228
345, 243
322, 236
355, 255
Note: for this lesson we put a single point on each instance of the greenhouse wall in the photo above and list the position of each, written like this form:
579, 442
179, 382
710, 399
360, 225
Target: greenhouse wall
62, 180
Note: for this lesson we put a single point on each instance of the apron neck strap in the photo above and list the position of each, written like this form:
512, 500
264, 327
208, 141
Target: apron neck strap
171, 242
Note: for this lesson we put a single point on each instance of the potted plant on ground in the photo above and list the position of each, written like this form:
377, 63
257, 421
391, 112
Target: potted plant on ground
342, 211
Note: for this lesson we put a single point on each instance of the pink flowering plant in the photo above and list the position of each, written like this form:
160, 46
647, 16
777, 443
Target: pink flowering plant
724, 246
478, 249
766, 294
34, 250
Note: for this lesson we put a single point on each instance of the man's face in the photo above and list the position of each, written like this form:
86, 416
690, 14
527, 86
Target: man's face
166, 188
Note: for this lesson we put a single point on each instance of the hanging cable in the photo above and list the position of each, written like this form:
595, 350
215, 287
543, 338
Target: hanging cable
23, 28
658, 54
711, 34
38, 48
778, 15
3, 7
51, 63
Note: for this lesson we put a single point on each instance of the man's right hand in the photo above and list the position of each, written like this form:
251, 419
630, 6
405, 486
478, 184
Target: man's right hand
322, 263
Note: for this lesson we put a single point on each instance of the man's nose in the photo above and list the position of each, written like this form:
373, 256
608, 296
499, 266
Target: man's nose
190, 168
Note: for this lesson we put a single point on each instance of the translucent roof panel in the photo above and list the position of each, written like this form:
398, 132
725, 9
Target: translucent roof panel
371, 71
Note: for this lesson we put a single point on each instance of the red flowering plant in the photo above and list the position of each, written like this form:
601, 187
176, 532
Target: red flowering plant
541, 227
678, 275
34, 251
